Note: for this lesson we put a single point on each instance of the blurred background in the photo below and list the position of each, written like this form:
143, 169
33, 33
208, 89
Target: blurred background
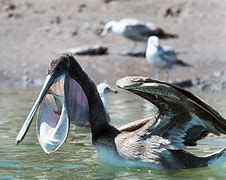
32, 33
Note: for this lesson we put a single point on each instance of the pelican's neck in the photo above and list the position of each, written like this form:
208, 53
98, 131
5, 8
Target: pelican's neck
98, 116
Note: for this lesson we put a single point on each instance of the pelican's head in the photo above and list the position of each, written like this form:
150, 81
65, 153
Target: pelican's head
153, 40
108, 27
62, 99
155, 91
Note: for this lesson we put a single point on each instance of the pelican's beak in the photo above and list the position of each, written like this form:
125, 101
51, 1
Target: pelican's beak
51, 134
48, 82
56, 108
51, 128
52, 125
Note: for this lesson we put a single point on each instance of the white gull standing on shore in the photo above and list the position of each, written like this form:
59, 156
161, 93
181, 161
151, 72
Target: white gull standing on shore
162, 57
135, 30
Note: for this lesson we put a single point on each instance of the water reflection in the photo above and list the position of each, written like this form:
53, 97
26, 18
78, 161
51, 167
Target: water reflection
77, 158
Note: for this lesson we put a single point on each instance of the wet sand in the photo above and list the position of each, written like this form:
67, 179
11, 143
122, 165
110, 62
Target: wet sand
32, 32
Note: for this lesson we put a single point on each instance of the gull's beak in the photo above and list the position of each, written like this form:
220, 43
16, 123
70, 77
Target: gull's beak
51, 128
104, 32
113, 90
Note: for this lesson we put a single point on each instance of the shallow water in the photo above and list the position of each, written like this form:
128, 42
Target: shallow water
77, 159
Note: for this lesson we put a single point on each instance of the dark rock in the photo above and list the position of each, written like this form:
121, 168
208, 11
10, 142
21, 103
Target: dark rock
14, 15
108, 1
212, 83
56, 20
74, 33
81, 7
87, 50
184, 84
10, 7
172, 12
134, 54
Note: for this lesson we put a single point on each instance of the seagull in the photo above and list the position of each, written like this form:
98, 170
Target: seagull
162, 57
135, 30
103, 90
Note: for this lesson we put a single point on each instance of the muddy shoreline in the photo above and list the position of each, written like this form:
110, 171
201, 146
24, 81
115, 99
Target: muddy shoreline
32, 32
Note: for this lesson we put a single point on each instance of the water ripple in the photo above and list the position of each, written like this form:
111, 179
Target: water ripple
77, 158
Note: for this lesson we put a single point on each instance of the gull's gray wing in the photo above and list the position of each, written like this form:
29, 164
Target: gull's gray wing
167, 54
138, 32
182, 119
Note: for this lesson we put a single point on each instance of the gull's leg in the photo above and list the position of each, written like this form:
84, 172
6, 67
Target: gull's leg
167, 75
131, 51
134, 46
157, 73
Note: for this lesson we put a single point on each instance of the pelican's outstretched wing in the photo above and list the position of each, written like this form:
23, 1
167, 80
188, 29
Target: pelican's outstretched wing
182, 119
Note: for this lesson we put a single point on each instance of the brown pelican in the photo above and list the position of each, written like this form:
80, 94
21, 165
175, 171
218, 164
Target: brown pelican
135, 30
162, 57
154, 142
